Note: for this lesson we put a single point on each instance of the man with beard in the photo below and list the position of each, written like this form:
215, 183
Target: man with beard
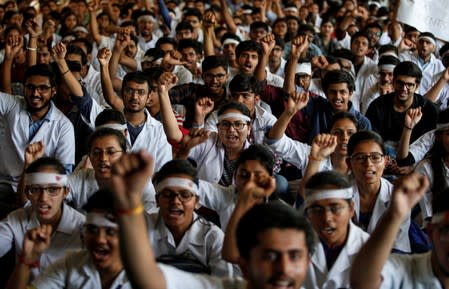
28, 119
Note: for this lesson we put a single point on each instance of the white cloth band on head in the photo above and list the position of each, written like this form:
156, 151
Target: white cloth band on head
430, 39
45, 178
247, 11
291, 9
442, 126
99, 220
179, 183
388, 53
230, 41
316, 195
116, 126
234, 115
388, 67
146, 17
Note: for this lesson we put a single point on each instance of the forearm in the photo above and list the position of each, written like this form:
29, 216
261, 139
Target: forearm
129, 62
279, 127
208, 43
435, 90
108, 90
113, 63
169, 121
375, 252
404, 143
6, 75
94, 27
230, 251
227, 17
19, 277
31, 54
72, 83
313, 167
289, 79
259, 73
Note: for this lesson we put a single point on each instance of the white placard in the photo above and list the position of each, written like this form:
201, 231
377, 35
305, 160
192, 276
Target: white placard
426, 16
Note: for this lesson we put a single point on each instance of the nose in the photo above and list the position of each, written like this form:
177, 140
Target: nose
100, 237
43, 196
283, 264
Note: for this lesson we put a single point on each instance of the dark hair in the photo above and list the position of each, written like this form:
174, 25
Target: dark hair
324, 178
104, 132
110, 115
234, 105
184, 26
280, 42
363, 136
153, 74
101, 200
175, 167
306, 28
408, 68
440, 201
344, 53
190, 43
135, 76
43, 162
245, 83
85, 42
343, 115
388, 59
249, 45
167, 40
260, 153
192, 12
41, 70
230, 35
273, 215
129, 23
388, 47
214, 61
338, 76
74, 49
259, 24
373, 25
358, 35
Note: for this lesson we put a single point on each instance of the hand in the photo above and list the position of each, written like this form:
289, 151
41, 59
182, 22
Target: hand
123, 39
407, 192
323, 145
36, 241
412, 117
171, 59
13, 46
268, 42
58, 52
32, 28
319, 62
130, 175
166, 81
296, 102
406, 44
92, 6
194, 138
209, 20
256, 190
33, 152
299, 45
203, 106
104, 56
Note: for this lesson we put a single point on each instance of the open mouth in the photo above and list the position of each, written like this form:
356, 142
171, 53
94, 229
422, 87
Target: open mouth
44, 209
279, 283
175, 212
100, 254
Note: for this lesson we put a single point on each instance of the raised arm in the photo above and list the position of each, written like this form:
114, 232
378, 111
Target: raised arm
323, 146
58, 52
121, 41
35, 242
171, 128
209, 33
93, 7
268, 42
195, 137
299, 44
32, 152
412, 117
129, 177
104, 57
296, 101
255, 191
368, 264
435, 90
12, 48
203, 106
227, 17
33, 32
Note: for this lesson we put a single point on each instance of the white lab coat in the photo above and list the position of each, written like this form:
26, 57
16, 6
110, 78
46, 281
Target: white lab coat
420, 147
318, 275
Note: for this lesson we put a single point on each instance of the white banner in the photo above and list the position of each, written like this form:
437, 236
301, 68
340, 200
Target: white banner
426, 16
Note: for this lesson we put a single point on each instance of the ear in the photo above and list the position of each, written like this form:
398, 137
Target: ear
352, 209
53, 92
197, 203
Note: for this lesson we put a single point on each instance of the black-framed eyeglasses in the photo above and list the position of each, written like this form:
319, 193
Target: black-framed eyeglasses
183, 196
374, 157
408, 85
210, 76
237, 125
52, 191
42, 88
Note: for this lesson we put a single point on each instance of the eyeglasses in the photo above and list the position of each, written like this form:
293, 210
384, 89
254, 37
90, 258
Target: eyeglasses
237, 125
97, 153
52, 191
183, 196
318, 211
131, 91
210, 76
362, 158
95, 230
43, 88
408, 85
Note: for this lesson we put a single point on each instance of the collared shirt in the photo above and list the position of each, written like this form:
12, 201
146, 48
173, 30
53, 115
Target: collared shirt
201, 242
76, 271
66, 237
36, 125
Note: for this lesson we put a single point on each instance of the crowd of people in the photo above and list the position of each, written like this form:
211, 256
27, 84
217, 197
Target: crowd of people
222, 144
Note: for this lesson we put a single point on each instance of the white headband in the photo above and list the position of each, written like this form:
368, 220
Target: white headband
177, 182
99, 220
45, 178
316, 195
230, 41
430, 39
291, 9
116, 126
442, 126
388, 53
234, 115
388, 67
146, 17
247, 11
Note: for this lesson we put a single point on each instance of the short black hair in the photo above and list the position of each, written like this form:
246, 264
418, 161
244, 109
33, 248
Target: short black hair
338, 76
214, 61
190, 43
343, 115
257, 152
234, 105
259, 24
167, 40
272, 215
248, 45
184, 25
408, 68
362, 136
101, 200
85, 42
192, 12
104, 132
324, 178
358, 35
110, 115
41, 70
245, 83
175, 167
135, 76
43, 162
74, 49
